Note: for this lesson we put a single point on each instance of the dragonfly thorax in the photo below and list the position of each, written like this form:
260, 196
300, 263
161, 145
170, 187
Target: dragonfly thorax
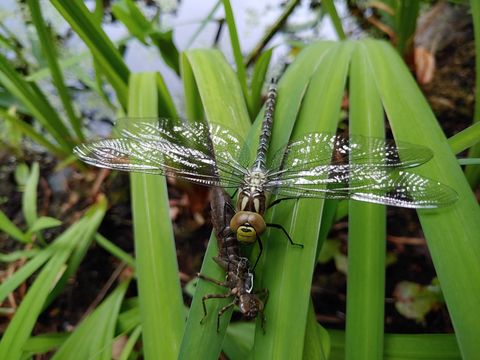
252, 195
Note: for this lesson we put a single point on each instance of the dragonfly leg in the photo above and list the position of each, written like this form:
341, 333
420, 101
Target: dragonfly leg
212, 296
221, 312
278, 226
278, 201
225, 206
260, 247
212, 280
263, 293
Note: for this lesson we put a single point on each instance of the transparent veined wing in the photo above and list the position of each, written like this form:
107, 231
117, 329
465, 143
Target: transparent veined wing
325, 152
381, 186
192, 151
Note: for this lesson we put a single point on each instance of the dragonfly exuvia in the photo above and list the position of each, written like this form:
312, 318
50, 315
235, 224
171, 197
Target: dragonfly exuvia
316, 165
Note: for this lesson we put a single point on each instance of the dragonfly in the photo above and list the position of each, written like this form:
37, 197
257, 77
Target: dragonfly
239, 277
314, 165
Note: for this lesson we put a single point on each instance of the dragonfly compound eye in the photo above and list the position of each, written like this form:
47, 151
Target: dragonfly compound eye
247, 225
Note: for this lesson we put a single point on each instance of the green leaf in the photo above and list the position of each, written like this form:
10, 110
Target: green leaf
465, 138
44, 343
21, 174
17, 255
36, 102
11, 229
103, 50
160, 297
29, 199
132, 340
337, 23
20, 327
43, 223
93, 338
367, 228
317, 339
212, 75
29, 131
452, 233
406, 346
48, 49
115, 250
285, 270
237, 51
138, 25
238, 340
258, 79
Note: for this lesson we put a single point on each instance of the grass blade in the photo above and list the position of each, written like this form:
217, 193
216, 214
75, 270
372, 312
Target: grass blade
93, 338
44, 343
29, 199
212, 75
465, 138
109, 59
237, 51
36, 103
367, 230
115, 250
160, 297
29, 131
11, 229
258, 79
452, 233
287, 271
337, 23
406, 346
19, 329
49, 51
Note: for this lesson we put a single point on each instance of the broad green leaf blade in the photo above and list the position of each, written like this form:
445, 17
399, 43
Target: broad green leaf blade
406, 346
367, 229
29, 199
238, 340
11, 229
317, 340
223, 103
103, 50
21, 326
93, 338
160, 297
49, 51
287, 270
452, 233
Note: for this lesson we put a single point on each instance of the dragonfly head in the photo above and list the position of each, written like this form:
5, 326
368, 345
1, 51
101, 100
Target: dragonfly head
247, 225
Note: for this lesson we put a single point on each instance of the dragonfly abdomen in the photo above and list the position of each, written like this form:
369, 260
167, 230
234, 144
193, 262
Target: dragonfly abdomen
261, 160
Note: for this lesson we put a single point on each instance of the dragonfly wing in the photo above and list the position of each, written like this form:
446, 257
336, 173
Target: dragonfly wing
388, 187
165, 147
328, 151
